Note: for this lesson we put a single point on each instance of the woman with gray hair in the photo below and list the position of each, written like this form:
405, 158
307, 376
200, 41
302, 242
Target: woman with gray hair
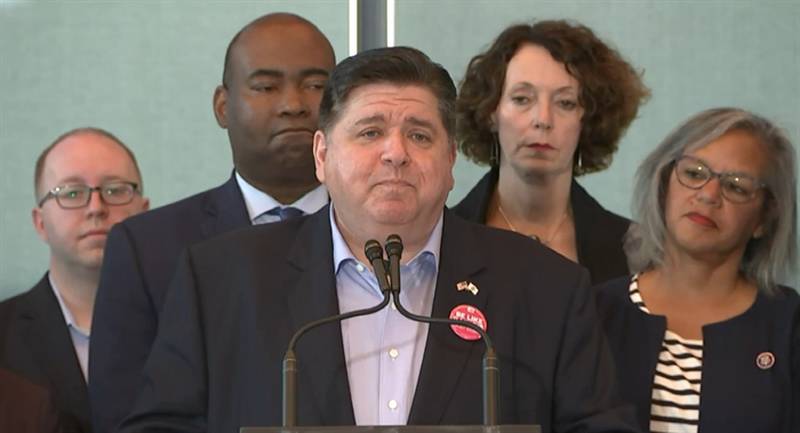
704, 337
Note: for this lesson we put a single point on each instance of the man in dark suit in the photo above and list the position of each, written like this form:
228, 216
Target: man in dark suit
275, 70
385, 152
44, 333
25, 407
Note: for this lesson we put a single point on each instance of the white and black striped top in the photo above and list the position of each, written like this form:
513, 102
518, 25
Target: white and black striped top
675, 405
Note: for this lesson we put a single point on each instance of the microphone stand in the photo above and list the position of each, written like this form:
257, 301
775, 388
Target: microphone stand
374, 253
491, 368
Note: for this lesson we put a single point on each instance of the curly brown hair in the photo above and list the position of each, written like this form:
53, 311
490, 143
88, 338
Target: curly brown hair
611, 90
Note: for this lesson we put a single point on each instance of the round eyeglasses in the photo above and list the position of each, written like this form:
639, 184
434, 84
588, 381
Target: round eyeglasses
736, 187
78, 196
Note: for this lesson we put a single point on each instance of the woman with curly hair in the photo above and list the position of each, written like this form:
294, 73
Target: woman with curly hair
545, 103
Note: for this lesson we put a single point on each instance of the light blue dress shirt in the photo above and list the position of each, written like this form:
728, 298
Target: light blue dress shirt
80, 337
384, 351
258, 202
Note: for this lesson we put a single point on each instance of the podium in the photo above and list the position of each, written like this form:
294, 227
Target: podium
400, 429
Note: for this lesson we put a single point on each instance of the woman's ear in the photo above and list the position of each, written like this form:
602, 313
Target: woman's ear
493, 122
765, 221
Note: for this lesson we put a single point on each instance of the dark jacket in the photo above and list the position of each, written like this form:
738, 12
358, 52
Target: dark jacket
140, 257
25, 407
736, 396
35, 344
598, 232
236, 300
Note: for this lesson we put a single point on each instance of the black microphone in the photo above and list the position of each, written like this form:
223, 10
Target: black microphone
491, 368
394, 250
374, 252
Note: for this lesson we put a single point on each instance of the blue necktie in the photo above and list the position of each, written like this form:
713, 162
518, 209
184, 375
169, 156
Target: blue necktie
286, 213
283, 214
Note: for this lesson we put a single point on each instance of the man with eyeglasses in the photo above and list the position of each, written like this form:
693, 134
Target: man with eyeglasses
86, 181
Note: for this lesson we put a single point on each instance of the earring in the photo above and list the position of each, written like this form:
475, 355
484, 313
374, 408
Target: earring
580, 161
494, 153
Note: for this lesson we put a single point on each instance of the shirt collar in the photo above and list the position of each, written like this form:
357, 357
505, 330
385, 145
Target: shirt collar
342, 253
68, 317
258, 202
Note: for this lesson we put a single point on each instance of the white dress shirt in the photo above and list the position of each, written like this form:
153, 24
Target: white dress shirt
80, 337
383, 351
258, 202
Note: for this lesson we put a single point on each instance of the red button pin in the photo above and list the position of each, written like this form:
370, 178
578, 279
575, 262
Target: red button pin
470, 314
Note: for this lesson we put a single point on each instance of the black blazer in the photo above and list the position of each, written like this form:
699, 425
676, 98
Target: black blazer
25, 407
735, 395
236, 300
140, 257
35, 344
598, 232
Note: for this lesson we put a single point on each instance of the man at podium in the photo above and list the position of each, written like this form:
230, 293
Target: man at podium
385, 151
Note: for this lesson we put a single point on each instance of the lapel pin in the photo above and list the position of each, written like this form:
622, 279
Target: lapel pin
468, 313
466, 285
765, 360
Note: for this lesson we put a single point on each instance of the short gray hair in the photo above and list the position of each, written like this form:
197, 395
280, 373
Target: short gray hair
768, 258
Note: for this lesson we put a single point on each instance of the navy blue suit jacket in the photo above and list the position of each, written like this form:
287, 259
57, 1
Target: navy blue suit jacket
140, 257
236, 300
35, 344
735, 395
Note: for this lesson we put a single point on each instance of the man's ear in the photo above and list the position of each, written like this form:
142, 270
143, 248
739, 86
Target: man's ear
38, 223
145, 204
320, 154
220, 104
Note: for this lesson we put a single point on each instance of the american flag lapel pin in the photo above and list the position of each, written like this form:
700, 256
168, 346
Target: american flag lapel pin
468, 286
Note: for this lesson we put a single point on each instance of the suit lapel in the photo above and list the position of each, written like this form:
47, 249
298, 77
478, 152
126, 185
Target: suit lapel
446, 355
49, 341
323, 371
224, 210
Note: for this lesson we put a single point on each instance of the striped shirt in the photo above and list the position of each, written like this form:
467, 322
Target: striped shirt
675, 405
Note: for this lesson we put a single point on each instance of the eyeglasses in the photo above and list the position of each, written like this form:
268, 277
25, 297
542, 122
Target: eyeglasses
78, 196
736, 187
